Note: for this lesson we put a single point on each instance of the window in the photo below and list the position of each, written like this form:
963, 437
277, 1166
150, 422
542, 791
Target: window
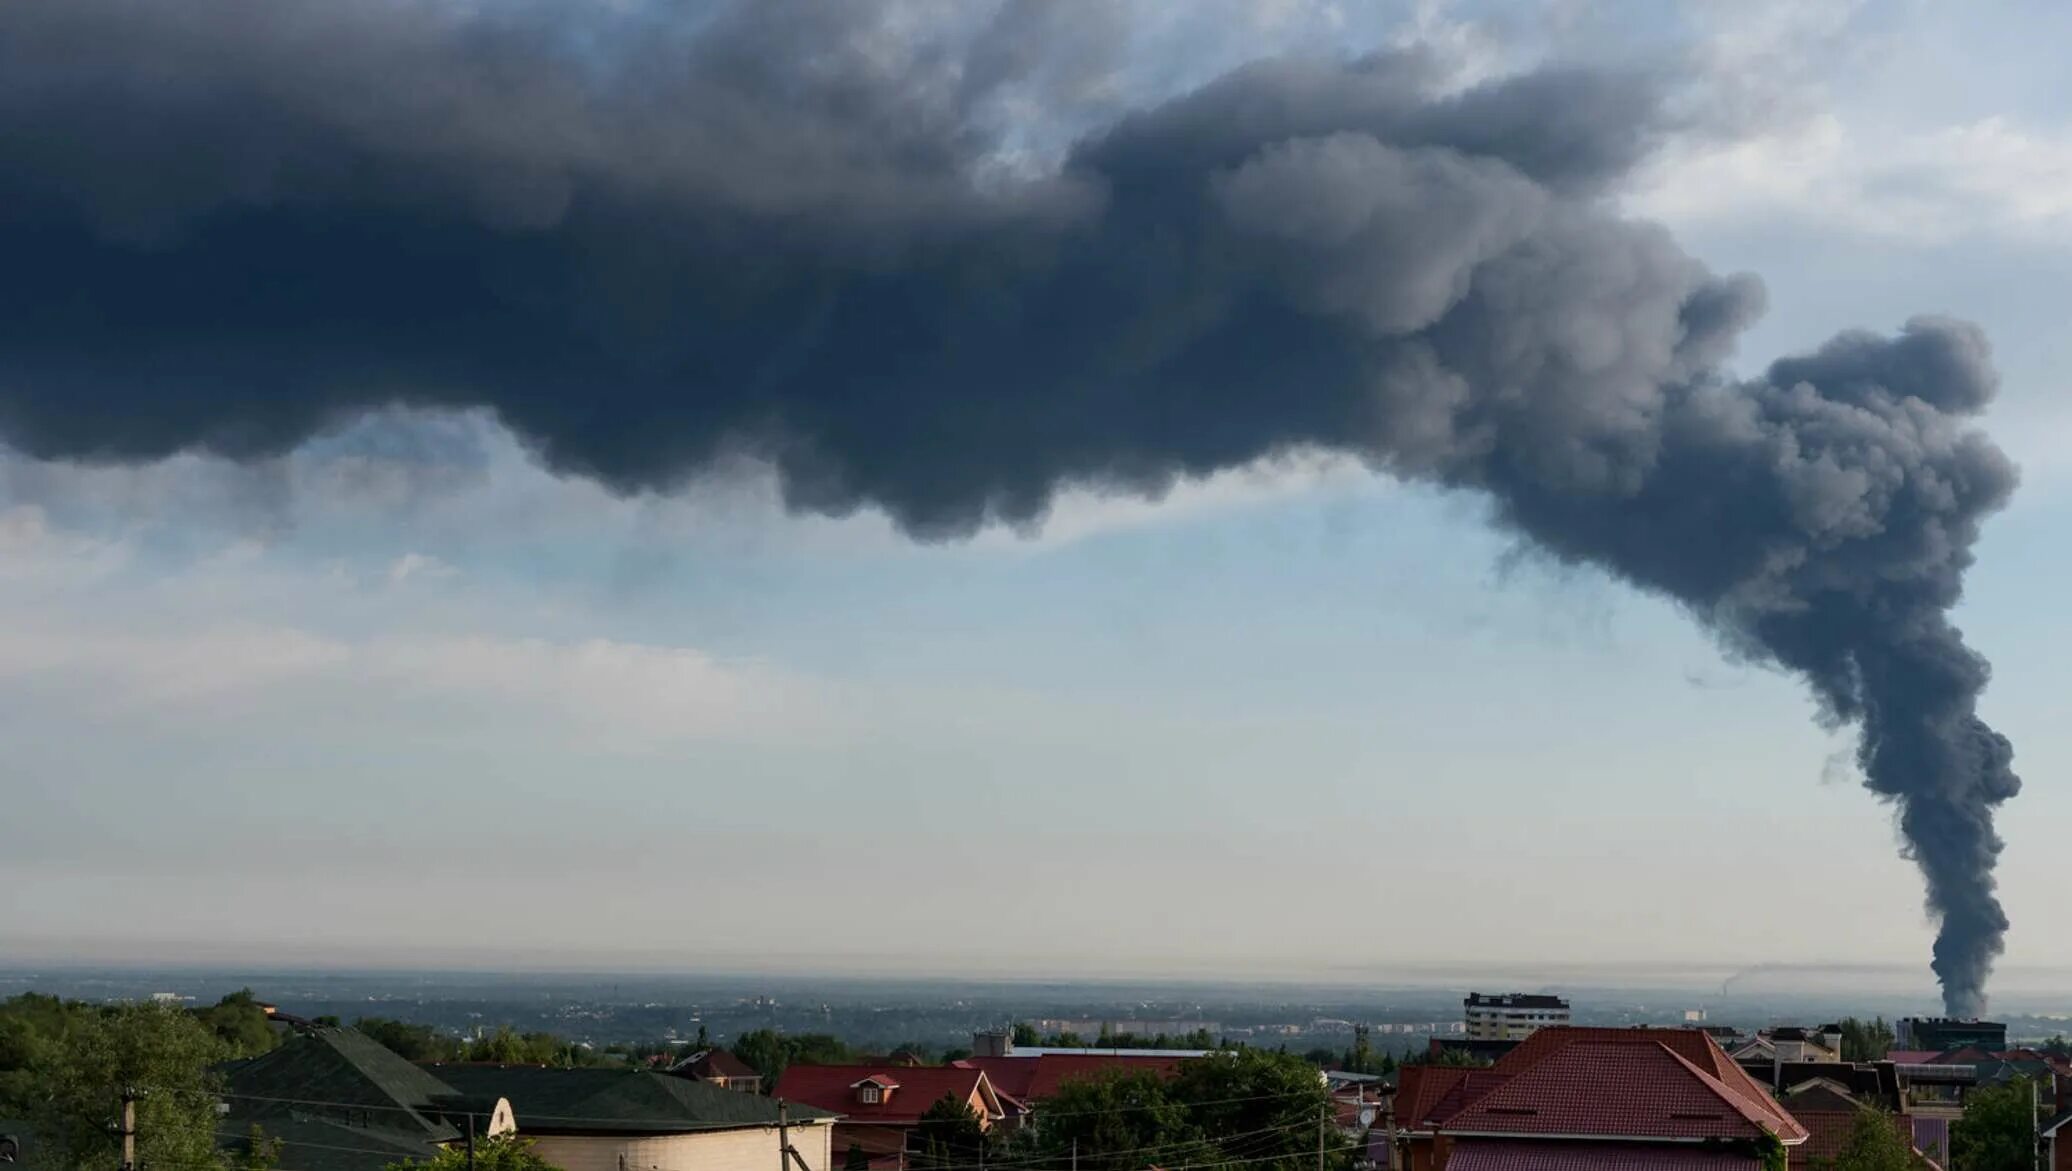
868, 1094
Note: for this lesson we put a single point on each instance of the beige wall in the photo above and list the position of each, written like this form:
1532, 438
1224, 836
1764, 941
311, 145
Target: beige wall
717, 1150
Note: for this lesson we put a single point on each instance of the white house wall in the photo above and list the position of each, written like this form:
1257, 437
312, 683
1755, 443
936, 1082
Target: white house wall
718, 1150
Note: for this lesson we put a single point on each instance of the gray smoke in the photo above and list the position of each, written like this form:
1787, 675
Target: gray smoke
650, 236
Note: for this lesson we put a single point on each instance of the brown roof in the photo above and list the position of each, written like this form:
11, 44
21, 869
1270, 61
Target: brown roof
832, 1087
1623, 1091
1528, 1155
1693, 1046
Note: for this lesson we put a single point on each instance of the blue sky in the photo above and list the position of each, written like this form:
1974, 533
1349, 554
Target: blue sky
404, 694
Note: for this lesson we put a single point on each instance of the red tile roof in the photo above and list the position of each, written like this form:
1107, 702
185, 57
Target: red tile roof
1427, 1095
1526, 1155
1691, 1045
1039, 1077
1830, 1130
1604, 1090
831, 1087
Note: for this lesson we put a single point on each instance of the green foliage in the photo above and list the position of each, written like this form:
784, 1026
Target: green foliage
949, 1134
256, 1153
506, 1152
241, 1024
163, 1051
1264, 1109
1025, 1034
1770, 1149
1998, 1130
767, 1051
1874, 1144
1276, 1099
2058, 1046
857, 1159
411, 1042
1865, 1040
1121, 1121
507, 1046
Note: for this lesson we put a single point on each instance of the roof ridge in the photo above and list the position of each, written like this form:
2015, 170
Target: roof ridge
1774, 1119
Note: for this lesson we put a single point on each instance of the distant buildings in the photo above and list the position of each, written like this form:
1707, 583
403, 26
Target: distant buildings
1942, 1034
1512, 1016
717, 1067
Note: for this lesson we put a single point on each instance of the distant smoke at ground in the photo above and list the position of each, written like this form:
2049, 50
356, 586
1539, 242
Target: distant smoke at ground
649, 237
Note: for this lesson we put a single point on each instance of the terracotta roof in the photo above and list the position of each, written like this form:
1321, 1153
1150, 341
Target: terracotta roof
1829, 1118
1692, 1046
1525, 1155
1603, 1089
1428, 1095
832, 1087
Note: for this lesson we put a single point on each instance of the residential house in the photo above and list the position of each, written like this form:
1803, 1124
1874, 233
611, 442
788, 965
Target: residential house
339, 1101
639, 1120
881, 1106
1829, 1110
717, 1067
1658, 1099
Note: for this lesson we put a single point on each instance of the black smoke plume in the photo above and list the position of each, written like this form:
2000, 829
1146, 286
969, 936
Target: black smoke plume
646, 236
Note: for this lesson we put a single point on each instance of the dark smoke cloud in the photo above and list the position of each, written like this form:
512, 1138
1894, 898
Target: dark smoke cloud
650, 237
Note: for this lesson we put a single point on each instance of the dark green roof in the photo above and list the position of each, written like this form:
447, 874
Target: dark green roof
340, 1101
314, 1143
616, 1100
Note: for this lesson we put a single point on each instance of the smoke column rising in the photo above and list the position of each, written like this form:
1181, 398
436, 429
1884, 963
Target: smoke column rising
650, 236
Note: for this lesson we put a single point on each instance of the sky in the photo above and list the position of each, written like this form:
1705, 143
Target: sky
412, 689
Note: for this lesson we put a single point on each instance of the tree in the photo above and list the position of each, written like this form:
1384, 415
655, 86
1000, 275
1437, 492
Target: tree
1874, 1144
1025, 1034
1275, 1101
1998, 1130
255, 1152
949, 1134
507, 1046
767, 1051
161, 1051
1865, 1040
241, 1023
1122, 1120
505, 1152
411, 1042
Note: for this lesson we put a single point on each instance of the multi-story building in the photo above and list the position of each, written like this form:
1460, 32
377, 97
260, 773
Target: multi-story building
1512, 1016
1942, 1034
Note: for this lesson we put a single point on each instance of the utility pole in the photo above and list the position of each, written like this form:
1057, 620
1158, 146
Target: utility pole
471, 1140
1323, 1122
787, 1155
129, 1128
1075, 1153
